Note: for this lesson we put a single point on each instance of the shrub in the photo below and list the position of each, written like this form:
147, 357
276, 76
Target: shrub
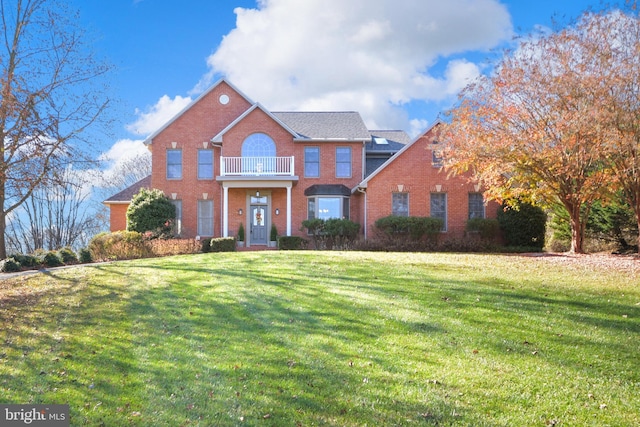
164, 247
292, 243
206, 245
340, 233
85, 256
487, 228
241, 233
523, 224
52, 259
10, 265
118, 245
332, 233
151, 211
68, 256
222, 244
400, 227
26, 261
273, 236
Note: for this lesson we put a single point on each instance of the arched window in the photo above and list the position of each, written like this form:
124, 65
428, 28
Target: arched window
258, 145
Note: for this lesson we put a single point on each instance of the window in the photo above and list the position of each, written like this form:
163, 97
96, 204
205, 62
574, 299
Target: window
400, 204
312, 162
177, 226
476, 205
205, 217
343, 162
205, 164
436, 156
439, 208
258, 145
174, 164
328, 207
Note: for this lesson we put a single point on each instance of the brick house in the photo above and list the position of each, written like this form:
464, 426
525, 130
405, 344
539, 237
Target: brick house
413, 183
226, 160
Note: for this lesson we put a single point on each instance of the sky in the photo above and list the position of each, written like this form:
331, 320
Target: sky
399, 63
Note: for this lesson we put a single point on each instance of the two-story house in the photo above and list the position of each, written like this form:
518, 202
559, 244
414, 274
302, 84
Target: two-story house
226, 160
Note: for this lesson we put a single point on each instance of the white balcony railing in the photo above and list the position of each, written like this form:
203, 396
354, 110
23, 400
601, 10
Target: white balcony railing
256, 166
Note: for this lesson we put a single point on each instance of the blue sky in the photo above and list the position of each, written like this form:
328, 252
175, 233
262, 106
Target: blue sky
398, 62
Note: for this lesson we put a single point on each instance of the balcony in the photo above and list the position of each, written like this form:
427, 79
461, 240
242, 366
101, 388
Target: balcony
256, 166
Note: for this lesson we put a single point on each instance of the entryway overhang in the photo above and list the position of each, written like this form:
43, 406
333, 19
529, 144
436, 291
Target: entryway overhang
228, 182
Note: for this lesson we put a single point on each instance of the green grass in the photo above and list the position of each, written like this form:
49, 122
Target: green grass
324, 338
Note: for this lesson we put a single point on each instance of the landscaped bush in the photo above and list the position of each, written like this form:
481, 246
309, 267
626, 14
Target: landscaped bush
118, 245
68, 256
292, 243
27, 261
332, 233
398, 228
486, 228
220, 244
165, 247
85, 256
52, 259
10, 265
523, 225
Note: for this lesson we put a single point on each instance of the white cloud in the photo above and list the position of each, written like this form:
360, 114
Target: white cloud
371, 56
123, 151
157, 115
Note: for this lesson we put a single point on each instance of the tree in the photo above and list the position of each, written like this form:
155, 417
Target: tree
537, 129
54, 216
49, 98
622, 32
151, 210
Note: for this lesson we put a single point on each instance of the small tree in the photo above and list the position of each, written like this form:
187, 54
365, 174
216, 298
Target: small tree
241, 233
151, 211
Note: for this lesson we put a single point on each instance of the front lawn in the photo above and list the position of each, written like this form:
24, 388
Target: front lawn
327, 338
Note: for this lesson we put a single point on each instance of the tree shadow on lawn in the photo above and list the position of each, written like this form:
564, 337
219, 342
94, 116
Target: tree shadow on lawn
264, 352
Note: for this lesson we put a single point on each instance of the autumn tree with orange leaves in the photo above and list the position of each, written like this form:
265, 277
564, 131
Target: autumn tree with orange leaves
546, 124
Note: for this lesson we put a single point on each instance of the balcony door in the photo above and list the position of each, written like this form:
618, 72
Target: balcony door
258, 227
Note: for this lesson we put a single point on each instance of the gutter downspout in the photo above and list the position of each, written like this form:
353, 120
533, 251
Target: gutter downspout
364, 191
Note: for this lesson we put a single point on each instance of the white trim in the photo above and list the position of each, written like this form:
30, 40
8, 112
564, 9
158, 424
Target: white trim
257, 105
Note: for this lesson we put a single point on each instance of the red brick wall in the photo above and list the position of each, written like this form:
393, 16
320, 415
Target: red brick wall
204, 120
413, 172
118, 217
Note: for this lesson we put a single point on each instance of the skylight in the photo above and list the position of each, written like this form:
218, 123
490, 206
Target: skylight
380, 141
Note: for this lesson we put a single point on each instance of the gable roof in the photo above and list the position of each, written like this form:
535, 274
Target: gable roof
149, 139
127, 194
365, 182
325, 126
218, 137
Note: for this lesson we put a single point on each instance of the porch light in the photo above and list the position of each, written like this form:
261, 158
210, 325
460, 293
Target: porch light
277, 211
240, 211
258, 193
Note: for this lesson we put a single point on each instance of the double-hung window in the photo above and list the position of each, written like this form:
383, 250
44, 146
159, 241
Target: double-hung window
311, 162
174, 164
205, 164
400, 204
177, 225
343, 162
476, 206
439, 208
205, 217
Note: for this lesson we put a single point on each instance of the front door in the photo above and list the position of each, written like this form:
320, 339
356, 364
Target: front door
258, 231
